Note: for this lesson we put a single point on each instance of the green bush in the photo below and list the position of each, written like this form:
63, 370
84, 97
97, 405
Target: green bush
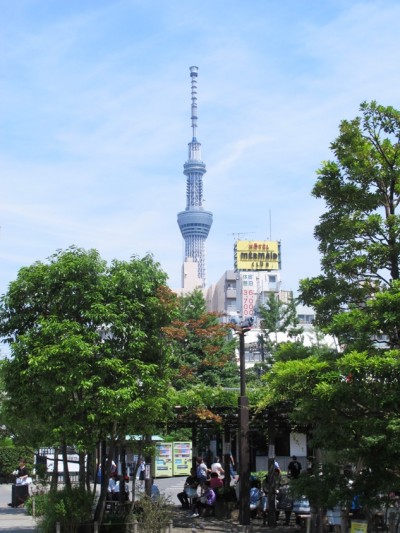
9, 456
70, 507
115, 523
40, 500
153, 516
226, 494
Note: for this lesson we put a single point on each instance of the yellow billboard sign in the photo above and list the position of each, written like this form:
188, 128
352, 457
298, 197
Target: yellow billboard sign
258, 255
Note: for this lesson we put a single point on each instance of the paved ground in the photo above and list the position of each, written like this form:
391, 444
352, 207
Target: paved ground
13, 520
16, 520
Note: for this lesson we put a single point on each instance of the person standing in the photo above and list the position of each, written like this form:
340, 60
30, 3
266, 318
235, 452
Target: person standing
142, 472
217, 467
285, 502
201, 471
20, 489
294, 468
117, 489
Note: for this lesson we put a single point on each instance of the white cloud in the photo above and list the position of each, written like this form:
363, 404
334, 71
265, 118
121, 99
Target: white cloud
96, 108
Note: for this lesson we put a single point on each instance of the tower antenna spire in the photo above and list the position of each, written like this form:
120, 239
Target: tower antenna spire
193, 75
195, 222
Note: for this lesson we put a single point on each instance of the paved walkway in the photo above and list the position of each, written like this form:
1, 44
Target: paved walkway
13, 520
18, 521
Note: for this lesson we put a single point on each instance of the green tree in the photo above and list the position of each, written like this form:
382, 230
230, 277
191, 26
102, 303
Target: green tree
276, 317
203, 349
203, 367
349, 400
357, 295
88, 361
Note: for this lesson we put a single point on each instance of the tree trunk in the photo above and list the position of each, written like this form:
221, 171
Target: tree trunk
122, 492
194, 445
67, 478
105, 469
148, 479
227, 457
54, 477
82, 470
90, 471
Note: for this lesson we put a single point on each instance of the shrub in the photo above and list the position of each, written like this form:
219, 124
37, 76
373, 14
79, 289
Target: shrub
70, 507
226, 494
39, 500
153, 516
115, 523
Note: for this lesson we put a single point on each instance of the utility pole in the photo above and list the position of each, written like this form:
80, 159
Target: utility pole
244, 453
271, 469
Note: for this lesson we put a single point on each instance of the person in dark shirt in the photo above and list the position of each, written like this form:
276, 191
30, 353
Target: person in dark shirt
294, 468
20, 491
189, 489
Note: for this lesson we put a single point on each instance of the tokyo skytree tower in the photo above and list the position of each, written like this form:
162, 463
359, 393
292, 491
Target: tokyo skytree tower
195, 222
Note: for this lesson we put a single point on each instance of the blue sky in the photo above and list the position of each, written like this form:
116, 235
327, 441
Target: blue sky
95, 121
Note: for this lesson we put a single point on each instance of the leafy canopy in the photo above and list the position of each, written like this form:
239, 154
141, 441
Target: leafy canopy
348, 401
87, 361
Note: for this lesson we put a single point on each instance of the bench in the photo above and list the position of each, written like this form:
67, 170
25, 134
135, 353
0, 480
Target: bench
116, 507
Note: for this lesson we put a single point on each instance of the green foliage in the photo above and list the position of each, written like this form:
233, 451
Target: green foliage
277, 317
359, 232
86, 337
9, 458
116, 523
179, 434
154, 516
259, 475
202, 350
39, 501
226, 494
349, 400
69, 507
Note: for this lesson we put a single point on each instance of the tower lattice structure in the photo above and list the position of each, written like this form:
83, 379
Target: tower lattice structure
195, 222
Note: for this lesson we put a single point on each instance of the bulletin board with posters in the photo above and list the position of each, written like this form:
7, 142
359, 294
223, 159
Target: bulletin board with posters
182, 458
163, 460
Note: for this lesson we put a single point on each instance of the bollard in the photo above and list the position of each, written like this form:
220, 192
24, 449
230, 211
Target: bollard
95, 527
170, 528
135, 526
58, 527
33, 507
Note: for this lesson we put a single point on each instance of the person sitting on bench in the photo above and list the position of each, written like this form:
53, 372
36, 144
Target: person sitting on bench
206, 501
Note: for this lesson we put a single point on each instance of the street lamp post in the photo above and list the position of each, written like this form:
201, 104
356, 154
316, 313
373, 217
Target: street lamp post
244, 466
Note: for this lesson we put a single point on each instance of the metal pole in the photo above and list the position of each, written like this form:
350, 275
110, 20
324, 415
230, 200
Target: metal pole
244, 472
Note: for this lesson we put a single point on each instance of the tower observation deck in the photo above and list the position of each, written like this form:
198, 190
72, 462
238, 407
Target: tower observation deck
195, 222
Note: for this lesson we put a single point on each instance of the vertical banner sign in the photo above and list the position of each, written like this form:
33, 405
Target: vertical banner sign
182, 458
248, 296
